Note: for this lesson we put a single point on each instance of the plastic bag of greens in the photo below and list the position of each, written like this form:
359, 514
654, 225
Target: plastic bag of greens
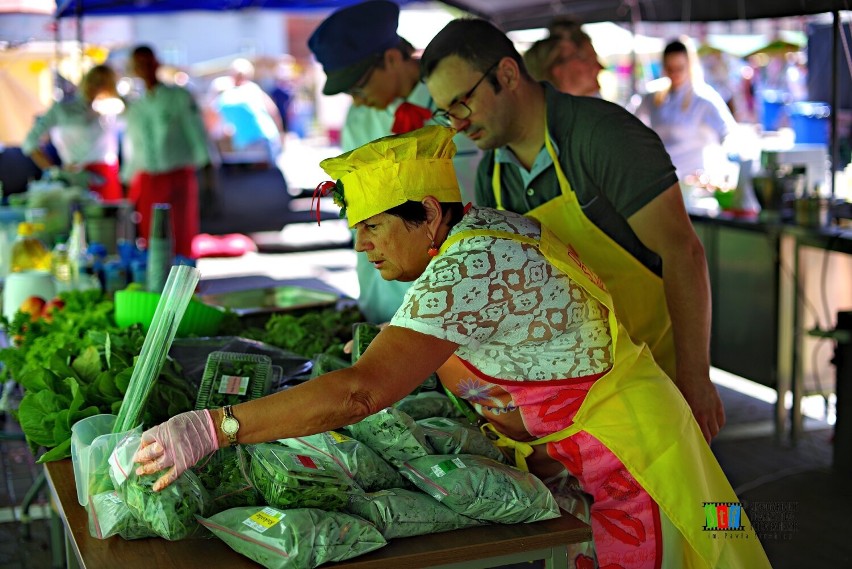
298, 479
169, 513
109, 516
392, 434
358, 461
225, 476
481, 488
324, 363
450, 436
428, 404
301, 538
362, 334
403, 513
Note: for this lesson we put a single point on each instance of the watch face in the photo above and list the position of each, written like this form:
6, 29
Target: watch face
230, 426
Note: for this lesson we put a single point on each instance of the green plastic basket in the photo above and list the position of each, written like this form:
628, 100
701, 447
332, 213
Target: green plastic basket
138, 307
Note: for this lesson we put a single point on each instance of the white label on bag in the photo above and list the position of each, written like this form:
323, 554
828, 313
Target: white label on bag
447, 466
233, 384
264, 519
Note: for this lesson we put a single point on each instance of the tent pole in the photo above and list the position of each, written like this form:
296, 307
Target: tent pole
79, 18
835, 96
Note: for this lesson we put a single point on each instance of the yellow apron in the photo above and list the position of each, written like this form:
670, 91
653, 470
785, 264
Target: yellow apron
639, 415
640, 300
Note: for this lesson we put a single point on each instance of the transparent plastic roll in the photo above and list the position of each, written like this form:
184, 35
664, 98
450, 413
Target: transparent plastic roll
178, 291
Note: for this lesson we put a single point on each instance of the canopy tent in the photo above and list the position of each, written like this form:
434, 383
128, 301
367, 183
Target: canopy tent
509, 14
70, 8
525, 14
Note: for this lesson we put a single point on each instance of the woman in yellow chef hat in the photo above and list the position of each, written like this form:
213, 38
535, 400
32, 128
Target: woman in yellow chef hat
522, 330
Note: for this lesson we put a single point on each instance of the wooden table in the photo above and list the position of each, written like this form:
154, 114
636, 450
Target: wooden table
473, 548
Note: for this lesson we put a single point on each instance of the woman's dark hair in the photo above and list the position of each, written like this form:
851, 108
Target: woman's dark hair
474, 40
413, 213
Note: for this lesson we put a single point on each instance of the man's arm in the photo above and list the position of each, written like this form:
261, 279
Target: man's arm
664, 227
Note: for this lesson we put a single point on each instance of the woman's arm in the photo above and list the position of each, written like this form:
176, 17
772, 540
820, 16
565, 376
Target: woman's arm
396, 362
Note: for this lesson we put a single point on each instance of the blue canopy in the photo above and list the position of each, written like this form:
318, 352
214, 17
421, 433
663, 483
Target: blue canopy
71, 8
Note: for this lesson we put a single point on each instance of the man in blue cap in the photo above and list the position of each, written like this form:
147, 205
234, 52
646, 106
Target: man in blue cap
364, 57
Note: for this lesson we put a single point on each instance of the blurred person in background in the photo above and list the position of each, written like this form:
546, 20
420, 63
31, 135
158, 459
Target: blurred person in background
165, 143
566, 59
251, 118
84, 131
690, 117
364, 57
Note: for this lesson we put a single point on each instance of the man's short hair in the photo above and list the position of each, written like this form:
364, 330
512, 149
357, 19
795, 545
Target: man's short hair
478, 42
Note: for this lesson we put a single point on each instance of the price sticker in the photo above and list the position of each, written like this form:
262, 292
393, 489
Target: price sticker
447, 466
337, 438
233, 384
264, 519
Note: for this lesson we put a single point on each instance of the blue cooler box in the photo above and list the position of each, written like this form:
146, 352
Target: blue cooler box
810, 121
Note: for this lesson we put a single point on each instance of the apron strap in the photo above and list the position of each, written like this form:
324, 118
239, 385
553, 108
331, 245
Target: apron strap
451, 240
564, 185
525, 448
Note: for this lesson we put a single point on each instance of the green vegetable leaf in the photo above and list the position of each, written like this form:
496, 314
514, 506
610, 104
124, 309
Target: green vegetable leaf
88, 364
62, 450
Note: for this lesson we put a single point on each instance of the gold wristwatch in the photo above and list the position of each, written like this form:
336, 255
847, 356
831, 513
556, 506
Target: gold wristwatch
230, 426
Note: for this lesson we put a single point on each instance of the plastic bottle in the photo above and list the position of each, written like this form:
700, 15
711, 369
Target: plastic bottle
77, 248
28, 252
160, 248
60, 266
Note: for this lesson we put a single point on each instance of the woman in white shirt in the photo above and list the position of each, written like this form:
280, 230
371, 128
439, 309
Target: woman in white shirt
85, 133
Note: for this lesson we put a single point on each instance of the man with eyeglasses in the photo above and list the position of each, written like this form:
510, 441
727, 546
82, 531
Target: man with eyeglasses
363, 56
585, 167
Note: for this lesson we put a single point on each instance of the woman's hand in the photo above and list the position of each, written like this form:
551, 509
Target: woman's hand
180, 443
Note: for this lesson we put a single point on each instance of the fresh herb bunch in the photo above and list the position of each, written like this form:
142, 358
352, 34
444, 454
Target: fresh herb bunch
314, 332
225, 477
79, 365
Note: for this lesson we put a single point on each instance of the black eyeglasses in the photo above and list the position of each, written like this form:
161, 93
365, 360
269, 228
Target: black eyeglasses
357, 90
459, 110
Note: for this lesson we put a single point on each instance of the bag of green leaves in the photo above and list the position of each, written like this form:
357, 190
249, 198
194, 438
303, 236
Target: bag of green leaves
169, 513
426, 404
358, 461
297, 479
392, 434
301, 538
109, 516
403, 513
482, 488
362, 334
324, 363
450, 436
225, 476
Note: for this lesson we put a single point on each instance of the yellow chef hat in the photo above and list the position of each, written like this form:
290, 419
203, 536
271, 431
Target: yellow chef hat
393, 170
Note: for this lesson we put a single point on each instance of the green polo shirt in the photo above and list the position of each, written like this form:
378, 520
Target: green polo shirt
614, 163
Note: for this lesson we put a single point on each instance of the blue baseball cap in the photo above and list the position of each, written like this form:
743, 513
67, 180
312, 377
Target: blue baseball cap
348, 42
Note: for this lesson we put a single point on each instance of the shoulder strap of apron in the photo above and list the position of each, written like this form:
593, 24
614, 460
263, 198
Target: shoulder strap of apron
560, 175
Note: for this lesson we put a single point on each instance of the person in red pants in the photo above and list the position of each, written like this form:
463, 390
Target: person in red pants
165, 143
84, 131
